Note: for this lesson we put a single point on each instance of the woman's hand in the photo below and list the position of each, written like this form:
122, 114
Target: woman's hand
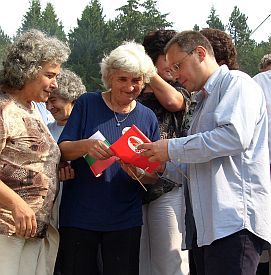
24, 219
131, 170
98, 149
65, 172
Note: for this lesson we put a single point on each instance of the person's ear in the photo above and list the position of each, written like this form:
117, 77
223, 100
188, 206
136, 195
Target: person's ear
201, 53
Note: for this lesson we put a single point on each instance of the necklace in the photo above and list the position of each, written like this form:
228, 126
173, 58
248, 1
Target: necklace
117, 120
122, 120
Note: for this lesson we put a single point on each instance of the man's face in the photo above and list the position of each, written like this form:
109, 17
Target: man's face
185, 67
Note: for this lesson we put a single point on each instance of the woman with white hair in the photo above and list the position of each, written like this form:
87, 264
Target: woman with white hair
105, 210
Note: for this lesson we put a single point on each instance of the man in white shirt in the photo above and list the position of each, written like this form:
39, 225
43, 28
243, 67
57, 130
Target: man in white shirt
227, 151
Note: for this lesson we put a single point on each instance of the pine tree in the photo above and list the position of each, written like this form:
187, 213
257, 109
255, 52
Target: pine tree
214, 21
88, 43
32, 18
5, 40
51, 24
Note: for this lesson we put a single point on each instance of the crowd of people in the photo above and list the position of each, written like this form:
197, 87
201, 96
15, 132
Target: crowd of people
205, 210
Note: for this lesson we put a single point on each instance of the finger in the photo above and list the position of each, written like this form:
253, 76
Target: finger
22, 228
145, 146
61, 174
34, 226
72, 174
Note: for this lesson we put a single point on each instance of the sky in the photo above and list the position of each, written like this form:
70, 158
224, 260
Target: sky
184, 14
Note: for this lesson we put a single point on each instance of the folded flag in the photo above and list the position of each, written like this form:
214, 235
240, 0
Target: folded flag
126, 149
98, 166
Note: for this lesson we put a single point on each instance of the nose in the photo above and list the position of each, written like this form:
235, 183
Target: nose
54, 84
49, 105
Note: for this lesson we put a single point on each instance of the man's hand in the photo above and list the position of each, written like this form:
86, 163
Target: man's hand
157, 150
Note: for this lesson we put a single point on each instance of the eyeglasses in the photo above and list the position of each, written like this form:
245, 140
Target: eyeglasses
178, 66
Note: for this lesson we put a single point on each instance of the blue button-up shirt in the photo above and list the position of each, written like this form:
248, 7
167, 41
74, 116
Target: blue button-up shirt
227, 152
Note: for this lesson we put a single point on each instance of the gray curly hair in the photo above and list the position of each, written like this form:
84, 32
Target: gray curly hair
265, 62
129, 57
26, 56
70, 85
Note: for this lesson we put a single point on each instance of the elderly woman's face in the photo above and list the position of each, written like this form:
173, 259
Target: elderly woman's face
126, 86
40, 88
60, 108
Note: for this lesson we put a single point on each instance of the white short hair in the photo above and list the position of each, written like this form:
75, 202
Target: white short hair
129, 57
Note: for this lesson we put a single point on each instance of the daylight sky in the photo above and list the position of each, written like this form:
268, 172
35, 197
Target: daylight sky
184, 14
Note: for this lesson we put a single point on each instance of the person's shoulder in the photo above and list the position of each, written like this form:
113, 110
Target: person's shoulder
263, 75
92, 97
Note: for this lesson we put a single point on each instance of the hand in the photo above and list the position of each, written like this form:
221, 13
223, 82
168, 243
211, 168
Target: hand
65, 172
24, 219
156, 151
131, 170
98, 149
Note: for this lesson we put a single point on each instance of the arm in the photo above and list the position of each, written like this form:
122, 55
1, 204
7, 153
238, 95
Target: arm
167, 95
71, 150
24, 217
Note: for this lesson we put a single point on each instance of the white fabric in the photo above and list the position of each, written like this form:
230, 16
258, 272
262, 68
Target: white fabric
264, 80
55, 130
160, 247
33, 256
19, 256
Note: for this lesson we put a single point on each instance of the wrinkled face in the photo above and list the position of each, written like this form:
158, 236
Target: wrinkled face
60, 108
162, 67
185, 67
125, 86
40, 88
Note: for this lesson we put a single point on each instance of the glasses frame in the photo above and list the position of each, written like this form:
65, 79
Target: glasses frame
176, 67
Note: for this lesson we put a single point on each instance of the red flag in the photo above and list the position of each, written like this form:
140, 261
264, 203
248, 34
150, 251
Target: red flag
126, 149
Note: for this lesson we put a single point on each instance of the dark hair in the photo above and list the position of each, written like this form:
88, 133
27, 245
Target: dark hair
224, 49
156, 41
190, 40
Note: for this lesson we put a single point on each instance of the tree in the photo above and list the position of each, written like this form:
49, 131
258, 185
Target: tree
51, 24
128, 22
196, 28
4, 42
238, 28
88, 42
32, 18
245, 47
136, 19
152, 19
214, 21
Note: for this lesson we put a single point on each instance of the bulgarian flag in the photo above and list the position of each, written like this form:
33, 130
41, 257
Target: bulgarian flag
126, 149
98, 166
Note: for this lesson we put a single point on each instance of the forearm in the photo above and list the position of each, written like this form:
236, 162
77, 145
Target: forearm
71, 150
167, 95
8, 197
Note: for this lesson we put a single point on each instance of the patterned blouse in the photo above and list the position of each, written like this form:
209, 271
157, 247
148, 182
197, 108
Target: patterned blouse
172, 125
29, 159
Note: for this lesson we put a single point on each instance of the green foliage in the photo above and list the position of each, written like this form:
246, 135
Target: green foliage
45, 21
32, 18
4, 42
238, 28
50, 24
196, 28
136, 19
214, 21
88, 42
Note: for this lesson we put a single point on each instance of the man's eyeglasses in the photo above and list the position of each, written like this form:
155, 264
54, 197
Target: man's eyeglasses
178, 66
